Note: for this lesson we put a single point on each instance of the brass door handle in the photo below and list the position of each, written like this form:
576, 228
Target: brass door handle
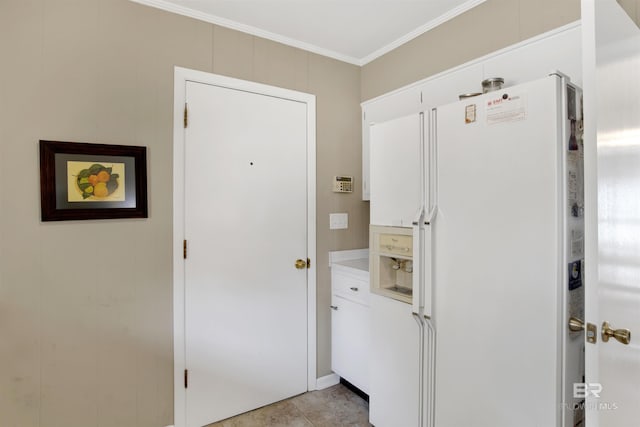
300, 264
623, 336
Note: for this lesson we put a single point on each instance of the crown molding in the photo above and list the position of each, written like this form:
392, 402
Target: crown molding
227, 23
421, 30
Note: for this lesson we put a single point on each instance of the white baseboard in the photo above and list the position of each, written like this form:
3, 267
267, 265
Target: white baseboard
327, 381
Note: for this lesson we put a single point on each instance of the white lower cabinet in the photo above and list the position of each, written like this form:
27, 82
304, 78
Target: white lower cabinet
350, 322
350, 341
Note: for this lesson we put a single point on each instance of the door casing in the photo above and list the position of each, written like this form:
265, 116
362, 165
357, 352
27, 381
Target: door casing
181, 76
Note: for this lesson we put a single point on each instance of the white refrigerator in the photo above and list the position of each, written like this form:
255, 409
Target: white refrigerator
498, 261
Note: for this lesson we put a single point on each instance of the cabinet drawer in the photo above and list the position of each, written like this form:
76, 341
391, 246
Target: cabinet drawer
396, 244
350, 287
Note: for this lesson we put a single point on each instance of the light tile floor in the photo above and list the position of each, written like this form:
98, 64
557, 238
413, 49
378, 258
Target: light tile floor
332, 407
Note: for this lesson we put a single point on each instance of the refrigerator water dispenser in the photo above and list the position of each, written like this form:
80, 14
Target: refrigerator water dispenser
391, 252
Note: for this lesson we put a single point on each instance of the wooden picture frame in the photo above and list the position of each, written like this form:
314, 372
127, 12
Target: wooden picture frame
80, 181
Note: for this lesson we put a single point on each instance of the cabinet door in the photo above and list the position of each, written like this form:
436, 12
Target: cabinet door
387, 107
366, 159
396, 161
350, 341
446, 88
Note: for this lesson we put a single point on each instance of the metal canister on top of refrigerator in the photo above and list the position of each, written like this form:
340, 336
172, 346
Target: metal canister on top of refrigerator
491, 84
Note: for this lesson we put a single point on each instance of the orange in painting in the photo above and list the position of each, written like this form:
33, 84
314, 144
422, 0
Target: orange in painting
103, 176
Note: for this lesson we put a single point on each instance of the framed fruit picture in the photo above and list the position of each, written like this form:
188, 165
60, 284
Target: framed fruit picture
92, 181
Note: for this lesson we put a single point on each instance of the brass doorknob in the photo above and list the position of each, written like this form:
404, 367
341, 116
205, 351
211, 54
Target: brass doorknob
621, 335
300, 264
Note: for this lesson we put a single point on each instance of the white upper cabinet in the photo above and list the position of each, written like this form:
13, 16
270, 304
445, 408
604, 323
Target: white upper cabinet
446, 88
396, 170
538, 58
389, 107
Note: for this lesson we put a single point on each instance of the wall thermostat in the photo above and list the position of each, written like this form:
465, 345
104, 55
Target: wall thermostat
343, 184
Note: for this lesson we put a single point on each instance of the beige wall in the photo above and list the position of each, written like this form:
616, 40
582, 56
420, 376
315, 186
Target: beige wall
632, 7
86, 307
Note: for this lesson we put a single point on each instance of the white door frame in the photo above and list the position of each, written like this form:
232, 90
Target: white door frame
181, 77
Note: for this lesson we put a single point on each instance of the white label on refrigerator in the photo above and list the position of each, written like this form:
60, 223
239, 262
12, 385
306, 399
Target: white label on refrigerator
506, 108
572, 169
470, 113
577, 243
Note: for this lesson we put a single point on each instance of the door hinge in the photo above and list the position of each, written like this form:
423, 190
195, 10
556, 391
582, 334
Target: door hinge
186, 378
184, 249
308, 262
186, 116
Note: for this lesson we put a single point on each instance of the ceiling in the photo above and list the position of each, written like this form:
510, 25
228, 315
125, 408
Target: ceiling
354, 31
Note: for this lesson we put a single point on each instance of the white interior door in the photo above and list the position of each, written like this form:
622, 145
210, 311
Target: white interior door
245, 225
611, 49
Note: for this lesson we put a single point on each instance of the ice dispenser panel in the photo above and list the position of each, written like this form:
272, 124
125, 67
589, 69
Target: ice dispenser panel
391, 251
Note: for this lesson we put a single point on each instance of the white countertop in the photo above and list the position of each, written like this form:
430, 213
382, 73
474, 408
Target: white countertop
354, 262
358, 264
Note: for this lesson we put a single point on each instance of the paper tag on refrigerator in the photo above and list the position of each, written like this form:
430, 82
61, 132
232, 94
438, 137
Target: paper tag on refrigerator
577, 243
470, 113
506, 108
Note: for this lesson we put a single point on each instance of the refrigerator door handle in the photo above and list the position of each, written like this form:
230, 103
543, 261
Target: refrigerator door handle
431, 216
428, 373
418, 245
418, 217
421, 377
426, 263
